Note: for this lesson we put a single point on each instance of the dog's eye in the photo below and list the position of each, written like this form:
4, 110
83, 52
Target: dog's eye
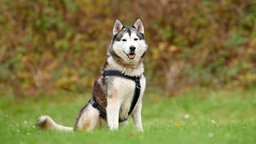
123, 40
135, 39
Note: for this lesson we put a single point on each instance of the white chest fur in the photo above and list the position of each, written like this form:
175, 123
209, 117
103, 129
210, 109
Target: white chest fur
123, 91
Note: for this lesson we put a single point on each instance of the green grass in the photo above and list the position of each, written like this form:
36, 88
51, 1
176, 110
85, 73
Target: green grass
197, 117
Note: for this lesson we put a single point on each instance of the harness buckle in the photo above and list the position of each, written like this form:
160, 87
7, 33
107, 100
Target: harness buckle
93, 103
138, 87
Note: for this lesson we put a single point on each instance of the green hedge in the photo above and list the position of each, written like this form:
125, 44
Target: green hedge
50, 45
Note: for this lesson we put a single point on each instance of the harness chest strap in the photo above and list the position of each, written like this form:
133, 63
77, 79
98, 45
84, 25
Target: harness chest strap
136, 96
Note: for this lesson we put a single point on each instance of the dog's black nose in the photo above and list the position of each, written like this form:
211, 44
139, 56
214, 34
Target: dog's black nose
132, 48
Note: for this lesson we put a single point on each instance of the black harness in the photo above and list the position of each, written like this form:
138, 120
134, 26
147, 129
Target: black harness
136, 96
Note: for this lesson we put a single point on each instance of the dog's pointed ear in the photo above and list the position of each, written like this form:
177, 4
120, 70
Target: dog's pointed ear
117, 27
139, 25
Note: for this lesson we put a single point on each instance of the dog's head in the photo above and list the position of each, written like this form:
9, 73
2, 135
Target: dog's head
128, 45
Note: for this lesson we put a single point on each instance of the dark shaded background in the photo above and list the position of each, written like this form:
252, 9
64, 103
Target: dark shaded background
48, 46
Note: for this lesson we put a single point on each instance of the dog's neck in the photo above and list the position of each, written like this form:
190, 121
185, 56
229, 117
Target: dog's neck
112, 64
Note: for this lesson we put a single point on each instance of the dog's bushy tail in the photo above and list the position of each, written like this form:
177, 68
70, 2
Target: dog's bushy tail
46, 122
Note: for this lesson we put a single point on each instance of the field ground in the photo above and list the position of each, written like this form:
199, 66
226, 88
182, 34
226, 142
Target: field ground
196, 117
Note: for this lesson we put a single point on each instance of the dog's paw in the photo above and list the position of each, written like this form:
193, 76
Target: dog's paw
140, 130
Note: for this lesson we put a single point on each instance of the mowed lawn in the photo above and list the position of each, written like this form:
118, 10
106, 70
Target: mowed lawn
195, 117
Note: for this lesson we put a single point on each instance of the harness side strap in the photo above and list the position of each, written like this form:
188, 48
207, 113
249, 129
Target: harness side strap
136, 94
101, 110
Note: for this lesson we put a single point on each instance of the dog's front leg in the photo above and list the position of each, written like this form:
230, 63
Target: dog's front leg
113, 107
136, 115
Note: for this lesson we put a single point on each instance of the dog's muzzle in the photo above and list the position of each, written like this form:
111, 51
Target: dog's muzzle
132, 54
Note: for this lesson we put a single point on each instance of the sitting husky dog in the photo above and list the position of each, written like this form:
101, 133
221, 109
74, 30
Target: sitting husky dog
119, 91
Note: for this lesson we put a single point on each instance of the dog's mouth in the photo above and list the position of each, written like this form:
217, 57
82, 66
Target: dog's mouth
131, 55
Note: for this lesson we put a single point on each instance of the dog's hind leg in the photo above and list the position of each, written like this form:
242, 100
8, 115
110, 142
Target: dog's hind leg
88, 119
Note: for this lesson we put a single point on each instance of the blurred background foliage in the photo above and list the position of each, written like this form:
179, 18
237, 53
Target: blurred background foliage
51, 45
